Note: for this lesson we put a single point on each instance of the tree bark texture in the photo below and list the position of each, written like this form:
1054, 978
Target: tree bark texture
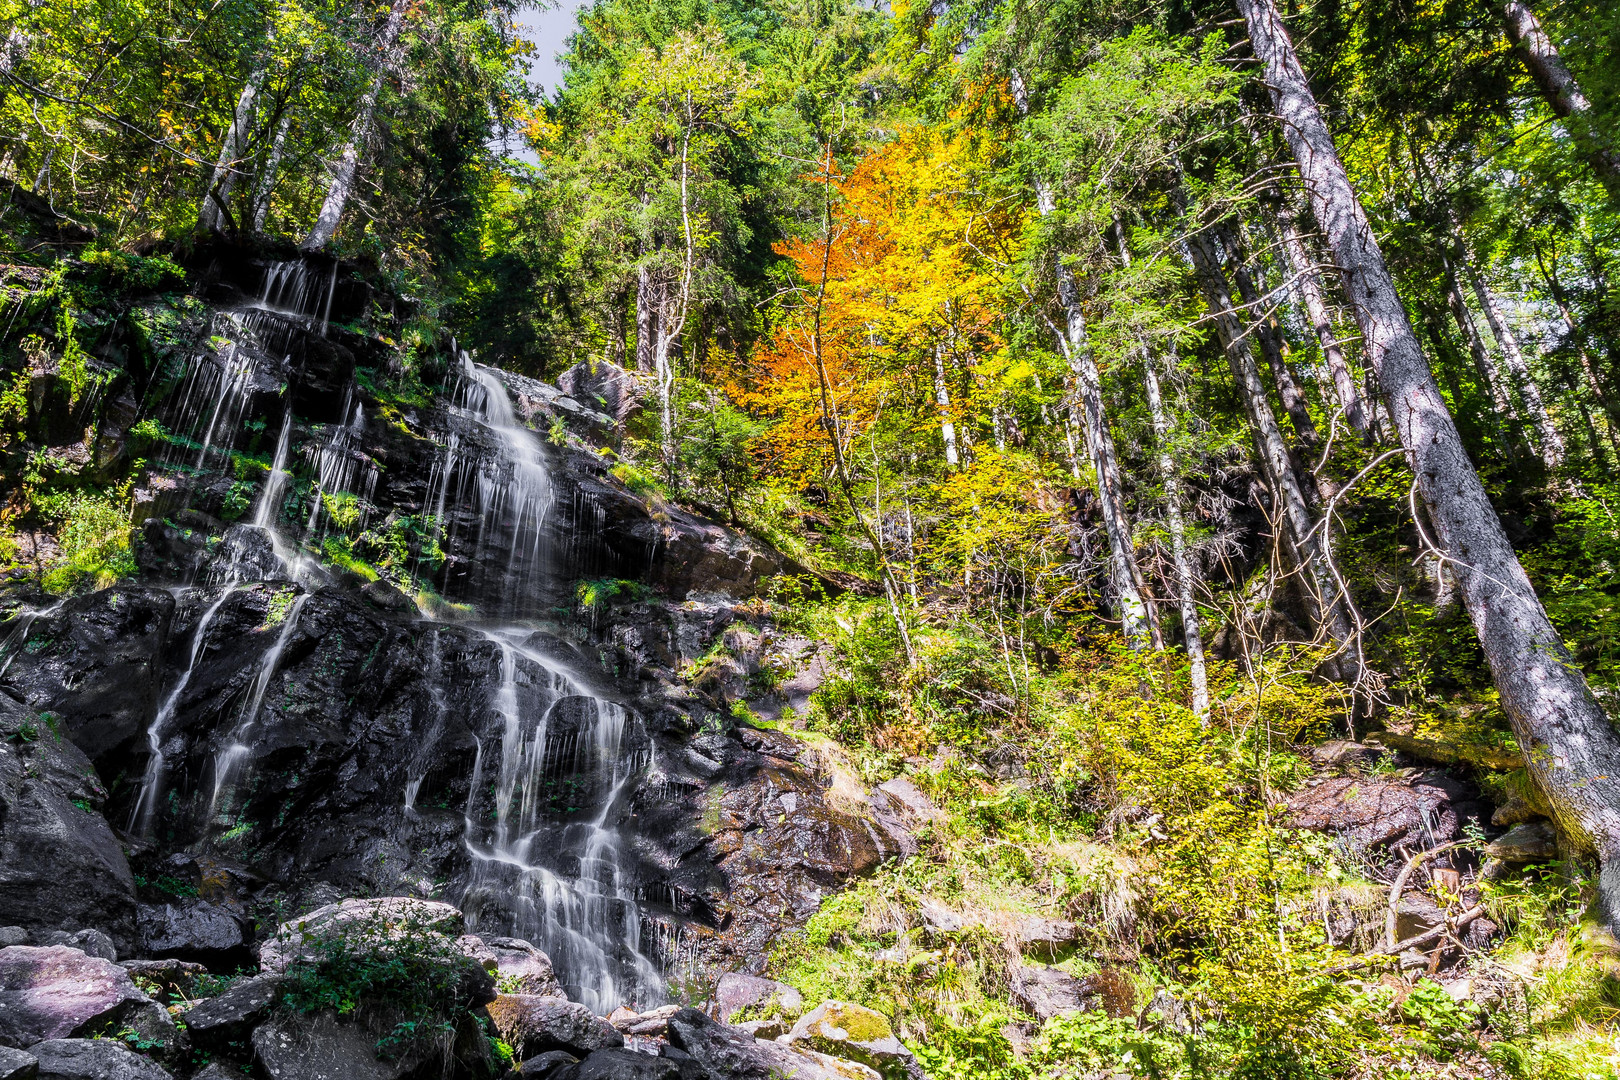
1570, 745
1309, 289
345, 171
1563, 93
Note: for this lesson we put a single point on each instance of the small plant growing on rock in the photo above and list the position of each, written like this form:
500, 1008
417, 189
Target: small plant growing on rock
401, 978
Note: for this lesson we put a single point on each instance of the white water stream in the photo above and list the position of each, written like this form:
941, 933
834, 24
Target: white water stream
554, 866
140, 821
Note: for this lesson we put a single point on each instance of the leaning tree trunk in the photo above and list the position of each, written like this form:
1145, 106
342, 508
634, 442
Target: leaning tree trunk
217, 196
1138, 623
1309, 289
1305, 538
1270, 345
1123, 571
1563, 93
345, 172
1484, 367
1571, 747
1549, 443
265, 184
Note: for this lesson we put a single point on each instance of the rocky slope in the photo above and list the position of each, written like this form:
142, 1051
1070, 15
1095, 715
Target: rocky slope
248, 727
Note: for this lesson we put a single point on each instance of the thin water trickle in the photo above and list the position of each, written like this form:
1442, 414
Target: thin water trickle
269, 502
18, 636
229, 761
140, 820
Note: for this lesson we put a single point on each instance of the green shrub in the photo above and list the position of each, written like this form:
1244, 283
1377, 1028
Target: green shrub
93, 532
403, 969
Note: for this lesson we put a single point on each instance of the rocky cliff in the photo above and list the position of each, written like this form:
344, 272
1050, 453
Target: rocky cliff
401, 640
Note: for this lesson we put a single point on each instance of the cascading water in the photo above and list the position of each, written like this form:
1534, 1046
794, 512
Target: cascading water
140, 822
229, 761
513, 486
554, 867
265, 515
17, 638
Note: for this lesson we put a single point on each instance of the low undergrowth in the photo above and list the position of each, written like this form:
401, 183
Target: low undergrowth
1085, 789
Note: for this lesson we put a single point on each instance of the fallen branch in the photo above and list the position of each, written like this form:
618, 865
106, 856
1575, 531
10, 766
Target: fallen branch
1428, 937
1399, 886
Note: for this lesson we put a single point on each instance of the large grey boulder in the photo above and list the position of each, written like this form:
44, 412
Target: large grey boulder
215, 1023
322, 1047
17, 1064
1047, 992
93, 1059
195, 930
382, 925
56, 992
736, 992
522, 969
855, 1033
531, 1024
725, 1051
61, 867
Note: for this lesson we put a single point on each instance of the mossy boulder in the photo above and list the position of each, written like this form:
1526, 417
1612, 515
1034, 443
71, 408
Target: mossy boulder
855, 1033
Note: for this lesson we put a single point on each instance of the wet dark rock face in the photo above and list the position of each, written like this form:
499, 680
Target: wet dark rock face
236, 734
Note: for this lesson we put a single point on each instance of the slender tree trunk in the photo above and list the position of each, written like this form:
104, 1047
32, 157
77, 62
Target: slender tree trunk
1175, 523
1309, 289
1270, 346
344, 172
647, 309
1570, 745
1484, 367
1322, 592
1123, 570
1550, 443
1563, 93
265, 183
671, 325
227, 168
1138, 625
942, 398
1186, 574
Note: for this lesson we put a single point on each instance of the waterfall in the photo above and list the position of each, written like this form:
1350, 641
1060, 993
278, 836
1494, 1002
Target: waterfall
18, 635
265, 515
140, 819
514, 488
229, 761
554, 868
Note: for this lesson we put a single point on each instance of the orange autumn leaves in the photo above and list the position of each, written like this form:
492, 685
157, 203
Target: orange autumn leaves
907, 270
